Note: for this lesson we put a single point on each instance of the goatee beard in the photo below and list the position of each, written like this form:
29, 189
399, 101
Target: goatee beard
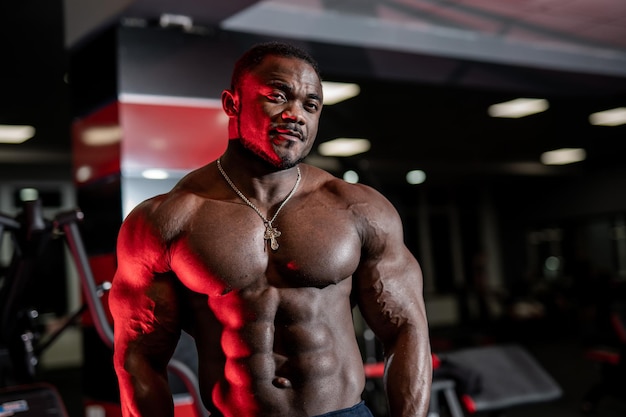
257, 152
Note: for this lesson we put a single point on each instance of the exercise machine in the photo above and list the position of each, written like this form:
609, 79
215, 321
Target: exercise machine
22, 341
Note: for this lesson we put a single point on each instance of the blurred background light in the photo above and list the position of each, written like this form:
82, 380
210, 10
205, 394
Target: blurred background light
16, 133
102, 135
344, 147
29, 194
351, 176
613, 117
519, 107
563, 156
155, 174
335, 92
416, 176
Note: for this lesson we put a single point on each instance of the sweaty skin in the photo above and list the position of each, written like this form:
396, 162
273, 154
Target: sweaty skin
273, 329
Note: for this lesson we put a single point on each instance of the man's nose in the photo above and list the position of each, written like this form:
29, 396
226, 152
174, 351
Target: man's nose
293, 112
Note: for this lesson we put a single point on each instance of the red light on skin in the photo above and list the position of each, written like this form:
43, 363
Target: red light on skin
234, 346
292, 266
237, 374
227, 397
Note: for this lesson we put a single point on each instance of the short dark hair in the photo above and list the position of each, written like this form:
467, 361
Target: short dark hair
255, 55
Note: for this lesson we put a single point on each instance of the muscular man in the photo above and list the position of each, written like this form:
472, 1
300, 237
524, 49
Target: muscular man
261, 258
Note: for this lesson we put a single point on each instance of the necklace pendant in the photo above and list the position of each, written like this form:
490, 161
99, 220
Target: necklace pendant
271, 233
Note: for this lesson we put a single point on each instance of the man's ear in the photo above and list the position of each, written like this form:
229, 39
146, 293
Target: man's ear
230, 103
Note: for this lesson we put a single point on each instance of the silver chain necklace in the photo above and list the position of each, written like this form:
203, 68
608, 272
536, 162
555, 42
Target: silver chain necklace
271, 233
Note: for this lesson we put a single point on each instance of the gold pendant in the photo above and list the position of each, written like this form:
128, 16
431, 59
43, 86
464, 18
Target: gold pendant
271, 233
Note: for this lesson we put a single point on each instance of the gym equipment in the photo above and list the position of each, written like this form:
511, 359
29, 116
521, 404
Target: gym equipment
508, 377
610, 355
67, 222
20, 335
489, 379
21, 342
34, 400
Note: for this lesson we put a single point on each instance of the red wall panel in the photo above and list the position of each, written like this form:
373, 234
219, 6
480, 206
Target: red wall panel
171, 136
91, 162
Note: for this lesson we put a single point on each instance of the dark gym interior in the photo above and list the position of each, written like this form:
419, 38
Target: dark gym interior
515, 252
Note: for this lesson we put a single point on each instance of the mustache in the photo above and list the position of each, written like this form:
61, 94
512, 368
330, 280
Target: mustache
293, 128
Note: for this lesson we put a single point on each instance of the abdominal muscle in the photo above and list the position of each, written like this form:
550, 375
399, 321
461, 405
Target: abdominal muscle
286, 352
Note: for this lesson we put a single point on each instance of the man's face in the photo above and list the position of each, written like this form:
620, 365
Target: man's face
279, 107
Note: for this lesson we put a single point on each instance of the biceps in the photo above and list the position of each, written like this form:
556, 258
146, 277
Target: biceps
147, 319
389, 295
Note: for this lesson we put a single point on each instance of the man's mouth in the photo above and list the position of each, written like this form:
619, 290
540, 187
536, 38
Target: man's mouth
288, 134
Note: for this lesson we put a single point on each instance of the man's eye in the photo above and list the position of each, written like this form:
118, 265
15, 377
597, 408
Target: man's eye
278, 97
311, 106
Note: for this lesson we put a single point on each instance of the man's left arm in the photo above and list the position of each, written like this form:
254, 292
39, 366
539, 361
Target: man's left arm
389, 292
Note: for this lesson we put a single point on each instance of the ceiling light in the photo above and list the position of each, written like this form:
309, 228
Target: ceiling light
16, 133
416, 176
344, 147
336, 92
519, 107
613, 117
563, 156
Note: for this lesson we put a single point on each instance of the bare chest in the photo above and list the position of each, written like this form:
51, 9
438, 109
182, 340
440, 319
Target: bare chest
230, 248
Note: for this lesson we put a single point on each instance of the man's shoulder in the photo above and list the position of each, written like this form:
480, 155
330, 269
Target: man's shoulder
355, 195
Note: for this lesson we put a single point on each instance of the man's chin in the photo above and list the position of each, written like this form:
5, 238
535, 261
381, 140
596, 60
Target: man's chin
287, 162
280, 160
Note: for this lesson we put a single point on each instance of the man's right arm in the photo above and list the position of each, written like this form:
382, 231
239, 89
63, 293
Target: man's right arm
144, 306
